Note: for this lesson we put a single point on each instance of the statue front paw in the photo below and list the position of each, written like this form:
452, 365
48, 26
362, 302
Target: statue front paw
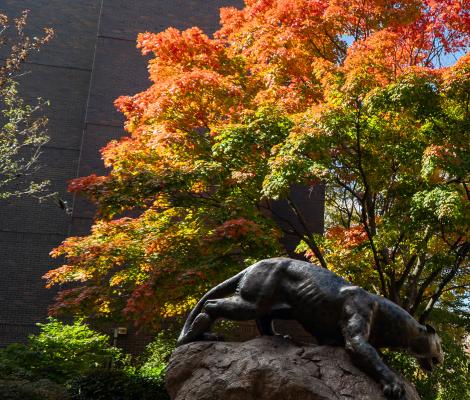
286, 337
393, 388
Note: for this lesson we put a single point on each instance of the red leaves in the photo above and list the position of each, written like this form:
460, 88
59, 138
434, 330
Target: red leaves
347, 238
450, 13
231, 20
86, 183
439, 151
73, 300
237, 228
188, 49
138, 303
419, 40
128, 105
191, 99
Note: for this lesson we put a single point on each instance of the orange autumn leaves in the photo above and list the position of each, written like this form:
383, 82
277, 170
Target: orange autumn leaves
210, 133
277, 52
193, 81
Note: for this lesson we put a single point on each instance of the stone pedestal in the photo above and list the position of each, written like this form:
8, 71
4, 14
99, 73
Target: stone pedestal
268, 368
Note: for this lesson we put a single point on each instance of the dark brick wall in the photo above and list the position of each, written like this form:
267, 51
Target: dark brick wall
91, 62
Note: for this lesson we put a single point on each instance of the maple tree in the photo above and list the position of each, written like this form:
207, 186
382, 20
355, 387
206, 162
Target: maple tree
395, 160
350, 94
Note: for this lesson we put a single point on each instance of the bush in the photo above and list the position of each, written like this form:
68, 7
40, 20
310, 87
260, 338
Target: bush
60, 352
142, 382
156, 355
19, 361
82, 360
117, 385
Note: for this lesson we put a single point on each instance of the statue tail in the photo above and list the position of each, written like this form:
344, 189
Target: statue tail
221, 290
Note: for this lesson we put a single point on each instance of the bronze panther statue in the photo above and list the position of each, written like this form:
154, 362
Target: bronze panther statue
328, 307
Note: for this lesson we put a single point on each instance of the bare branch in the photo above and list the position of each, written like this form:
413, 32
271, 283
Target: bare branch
309, 240
460, 257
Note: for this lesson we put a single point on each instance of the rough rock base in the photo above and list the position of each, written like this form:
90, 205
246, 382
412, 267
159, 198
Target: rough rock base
268, 368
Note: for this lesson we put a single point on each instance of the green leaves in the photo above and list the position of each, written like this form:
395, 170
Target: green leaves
449, 382
395, 162
416, 92
253, 138
442, 204
59, 352
23, 127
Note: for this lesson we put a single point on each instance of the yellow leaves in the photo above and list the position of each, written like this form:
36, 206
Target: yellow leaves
159, 245
199, 187
162, 201
119, 278
58, 275
437, 245
104, 307
242, 176
66, 273
171, 310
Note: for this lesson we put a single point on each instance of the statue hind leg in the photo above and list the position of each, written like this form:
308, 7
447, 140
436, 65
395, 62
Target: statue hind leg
234, 308
278, 311
265, 325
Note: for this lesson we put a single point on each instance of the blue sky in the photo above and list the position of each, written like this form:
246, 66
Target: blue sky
446, 60
450, 59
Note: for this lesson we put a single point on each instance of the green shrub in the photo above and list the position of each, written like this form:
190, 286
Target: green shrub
18, 360
116, 384
83, 361
60, 352
16, 390
155, 358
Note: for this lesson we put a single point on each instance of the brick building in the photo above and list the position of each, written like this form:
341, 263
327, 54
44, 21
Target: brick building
91, 61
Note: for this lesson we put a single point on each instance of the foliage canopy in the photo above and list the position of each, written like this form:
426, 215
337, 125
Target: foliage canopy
349, 94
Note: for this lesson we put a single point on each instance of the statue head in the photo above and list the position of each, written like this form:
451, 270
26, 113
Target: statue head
426, 347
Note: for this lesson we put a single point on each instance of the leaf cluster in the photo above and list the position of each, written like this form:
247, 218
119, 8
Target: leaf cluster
22, 127
59, 352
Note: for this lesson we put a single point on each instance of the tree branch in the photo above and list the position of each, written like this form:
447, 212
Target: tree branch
293, 230
412, 260
309, 239
368, 207
461, 255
